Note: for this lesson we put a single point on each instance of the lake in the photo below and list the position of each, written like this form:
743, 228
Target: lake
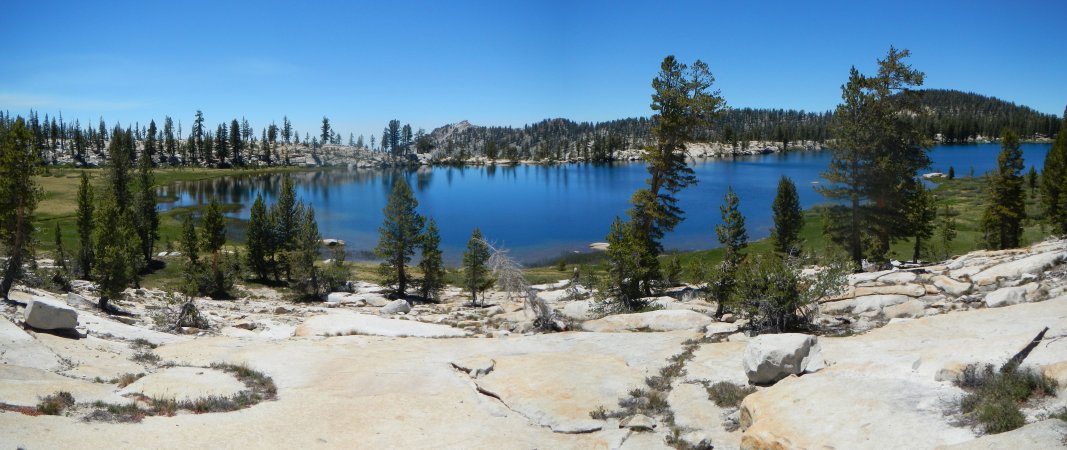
541, 212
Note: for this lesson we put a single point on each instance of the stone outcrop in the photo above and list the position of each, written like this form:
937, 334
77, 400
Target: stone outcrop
46, 313
185, 383
343, 323
660, 320
771, 357
396, 307
978, 279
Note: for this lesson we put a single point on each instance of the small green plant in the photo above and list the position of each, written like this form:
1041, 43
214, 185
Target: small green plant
995, 395
728, 395
600, 413
53, 405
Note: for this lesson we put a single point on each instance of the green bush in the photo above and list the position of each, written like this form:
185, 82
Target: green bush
728, 395
53, 405
995, 395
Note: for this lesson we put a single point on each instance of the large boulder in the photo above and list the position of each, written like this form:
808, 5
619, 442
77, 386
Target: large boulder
850, 410
661, 320
772, 357
1006, 297
1033, 264
875, 303
396, 306
46, 313
342, 298
951, 286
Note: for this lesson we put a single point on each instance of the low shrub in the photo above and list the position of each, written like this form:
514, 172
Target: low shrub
53, 405
728, 395
995, 395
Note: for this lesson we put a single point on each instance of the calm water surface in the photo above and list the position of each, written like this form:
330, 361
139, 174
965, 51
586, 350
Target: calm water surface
540, 212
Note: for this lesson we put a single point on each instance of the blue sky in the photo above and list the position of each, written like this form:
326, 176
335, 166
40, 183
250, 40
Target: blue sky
498, 63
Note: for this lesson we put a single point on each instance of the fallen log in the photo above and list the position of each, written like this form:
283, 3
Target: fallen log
1017, 360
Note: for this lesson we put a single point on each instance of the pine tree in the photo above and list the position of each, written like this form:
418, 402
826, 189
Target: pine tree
19, 195
877, 151
61, 253
169, 143
623, 290
213, 237
921, 213
1031, 180
951, 173
683, 104
788, 218
475, 272
306, 251
197, 137
286, 223
258, 239
84, 219
236, 143
946, 230
326, 134
121, 151
189, 243
145, 210
733, 237
1054, 180
115, 251
431, 265
399, 234
1003, 218
213, 228
150, 140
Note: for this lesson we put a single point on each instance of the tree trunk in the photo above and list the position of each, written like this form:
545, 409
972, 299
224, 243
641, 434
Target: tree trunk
14, 262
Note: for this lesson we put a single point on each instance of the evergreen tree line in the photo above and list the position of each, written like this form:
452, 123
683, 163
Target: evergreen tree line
948, 115
232, 143
952, 116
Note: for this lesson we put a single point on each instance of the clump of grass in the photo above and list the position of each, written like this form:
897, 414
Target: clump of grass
53, 405
146, 357
600, 413
127, 379
257, 381
728, 395
141, 343
259, 386
995, 396
113, 412
652, 401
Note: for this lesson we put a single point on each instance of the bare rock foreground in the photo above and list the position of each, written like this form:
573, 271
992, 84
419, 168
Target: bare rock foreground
446, 376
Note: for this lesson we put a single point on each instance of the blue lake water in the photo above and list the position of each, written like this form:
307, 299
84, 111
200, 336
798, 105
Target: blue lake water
541, 212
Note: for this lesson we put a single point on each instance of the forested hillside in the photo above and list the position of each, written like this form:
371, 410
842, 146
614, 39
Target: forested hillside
949, 116
960, 116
